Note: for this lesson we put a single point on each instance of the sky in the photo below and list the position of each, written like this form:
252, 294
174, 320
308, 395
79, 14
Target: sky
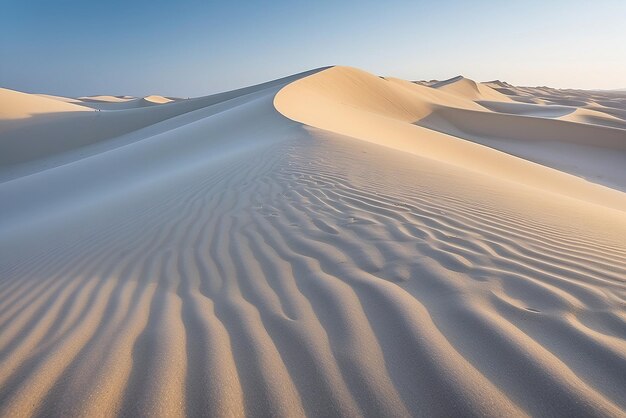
189, 48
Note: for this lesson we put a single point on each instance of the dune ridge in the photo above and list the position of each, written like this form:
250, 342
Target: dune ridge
36, 144
361, 109
306, 248
470, 89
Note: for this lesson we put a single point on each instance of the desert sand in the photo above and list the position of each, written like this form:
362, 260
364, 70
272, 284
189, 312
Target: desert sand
332, 243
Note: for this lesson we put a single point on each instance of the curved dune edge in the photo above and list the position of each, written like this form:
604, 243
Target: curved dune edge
56, 137
354, 103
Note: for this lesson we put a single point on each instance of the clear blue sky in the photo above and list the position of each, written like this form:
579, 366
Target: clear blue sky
192, 48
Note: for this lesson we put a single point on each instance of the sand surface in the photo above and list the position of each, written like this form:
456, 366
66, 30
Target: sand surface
329, 244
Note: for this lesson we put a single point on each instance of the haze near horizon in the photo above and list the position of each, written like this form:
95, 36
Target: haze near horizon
76, 48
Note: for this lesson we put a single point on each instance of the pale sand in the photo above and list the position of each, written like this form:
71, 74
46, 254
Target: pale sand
328, 244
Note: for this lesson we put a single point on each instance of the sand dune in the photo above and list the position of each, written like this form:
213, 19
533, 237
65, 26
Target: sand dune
117, 103
60, 98
57, 138
354, 103
17, 105
470, 89
326, 244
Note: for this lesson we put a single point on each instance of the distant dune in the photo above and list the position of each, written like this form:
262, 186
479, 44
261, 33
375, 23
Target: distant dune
331, 243
17, 105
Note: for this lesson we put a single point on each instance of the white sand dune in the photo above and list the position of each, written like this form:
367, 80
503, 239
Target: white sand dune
35, 144
327, 244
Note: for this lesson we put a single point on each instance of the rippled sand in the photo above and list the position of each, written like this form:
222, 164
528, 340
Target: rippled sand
330, 244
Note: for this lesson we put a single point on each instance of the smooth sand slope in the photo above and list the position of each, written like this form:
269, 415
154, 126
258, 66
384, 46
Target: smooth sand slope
328, 244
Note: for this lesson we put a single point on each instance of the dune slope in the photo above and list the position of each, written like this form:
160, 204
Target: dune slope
15, 105
358, 104
339, 261
55, 138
